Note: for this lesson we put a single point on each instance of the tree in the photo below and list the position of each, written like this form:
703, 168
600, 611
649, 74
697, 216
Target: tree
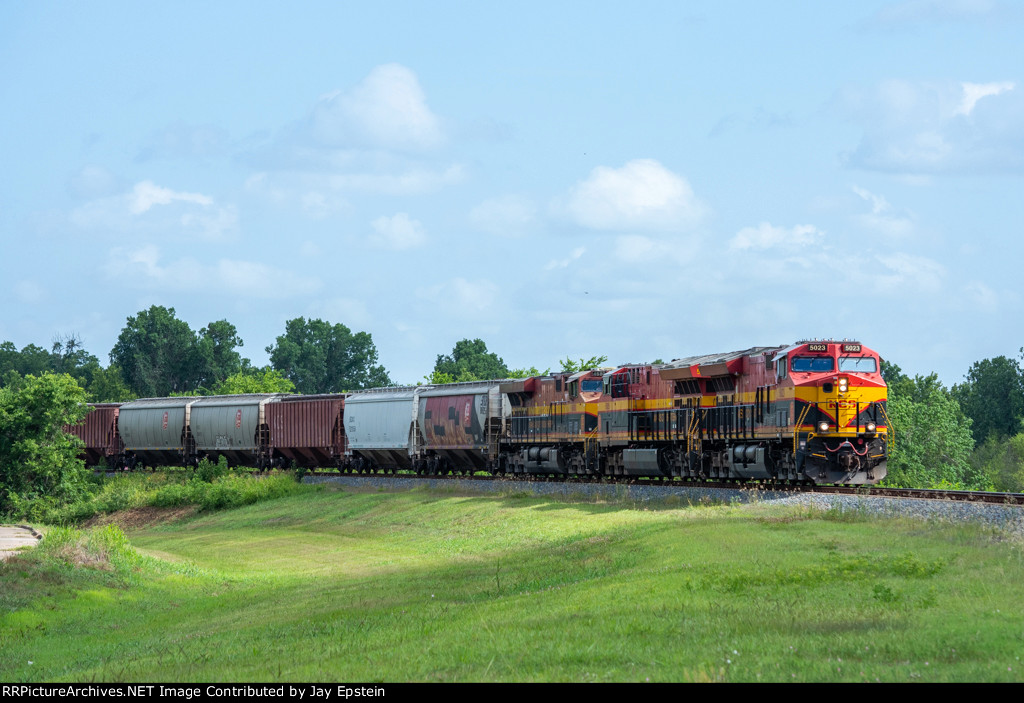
39, 464
933, 441
217, 344
438, 378
158, 353
319, 357
265, 380
527, 373
470, 361
108, 386
1001, 461
577, 365
993, 397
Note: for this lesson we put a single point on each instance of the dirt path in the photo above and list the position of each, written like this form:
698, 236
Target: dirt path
13, 538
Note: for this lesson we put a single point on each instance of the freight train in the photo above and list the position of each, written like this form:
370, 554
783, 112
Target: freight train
811, 412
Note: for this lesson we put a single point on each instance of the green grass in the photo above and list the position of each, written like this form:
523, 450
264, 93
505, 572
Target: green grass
436, 586
169, 489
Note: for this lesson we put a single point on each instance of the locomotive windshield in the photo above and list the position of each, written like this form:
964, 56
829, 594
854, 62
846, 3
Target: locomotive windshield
857, 364
813, 363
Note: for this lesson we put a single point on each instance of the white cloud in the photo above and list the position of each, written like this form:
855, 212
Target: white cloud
982, 296
768, 236
564, 263
142, 268
882, 217
973, 92
397, 232
910, 271
213, 223
319, 205
507, 215
149, 209
459, 297
377, 137
938, 127
147, 194
642, 194
387, 109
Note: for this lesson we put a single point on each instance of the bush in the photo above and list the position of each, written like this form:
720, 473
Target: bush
209, 472
39, 464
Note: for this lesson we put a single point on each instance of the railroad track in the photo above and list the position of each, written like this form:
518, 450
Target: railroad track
875, 491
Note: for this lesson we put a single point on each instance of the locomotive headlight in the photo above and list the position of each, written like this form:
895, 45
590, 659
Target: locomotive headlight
870, 427
842, 385
822, 426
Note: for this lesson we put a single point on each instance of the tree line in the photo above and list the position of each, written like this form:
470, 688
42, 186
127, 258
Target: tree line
158, 355
968, 436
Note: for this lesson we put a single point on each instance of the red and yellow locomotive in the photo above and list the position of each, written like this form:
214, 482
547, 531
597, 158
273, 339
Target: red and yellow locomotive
814, 411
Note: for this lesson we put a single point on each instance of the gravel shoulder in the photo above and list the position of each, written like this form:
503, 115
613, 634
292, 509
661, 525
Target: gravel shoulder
1008, 519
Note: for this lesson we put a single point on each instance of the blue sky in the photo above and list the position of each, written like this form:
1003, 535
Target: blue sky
568, 179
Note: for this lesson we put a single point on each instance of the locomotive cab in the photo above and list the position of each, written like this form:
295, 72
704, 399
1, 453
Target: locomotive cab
840, 423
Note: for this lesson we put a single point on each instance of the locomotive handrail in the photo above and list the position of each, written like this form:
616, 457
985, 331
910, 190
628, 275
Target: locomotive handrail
799, 423
890, 431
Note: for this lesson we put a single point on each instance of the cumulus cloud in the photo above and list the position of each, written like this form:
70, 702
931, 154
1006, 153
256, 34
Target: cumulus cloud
564, 263
507, 215
768, 236
144, 269
921, 128
397, 232
147, 194
149, 209
386, 109
973, 92
883, 217
459, 297
378, 137
642, 195
909, 271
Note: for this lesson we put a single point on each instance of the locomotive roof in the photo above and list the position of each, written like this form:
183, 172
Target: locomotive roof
722, 358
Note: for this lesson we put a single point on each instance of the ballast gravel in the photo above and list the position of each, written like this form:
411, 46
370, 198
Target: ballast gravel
1005, 518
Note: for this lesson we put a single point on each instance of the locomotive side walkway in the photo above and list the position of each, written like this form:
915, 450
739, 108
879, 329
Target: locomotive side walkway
14, 538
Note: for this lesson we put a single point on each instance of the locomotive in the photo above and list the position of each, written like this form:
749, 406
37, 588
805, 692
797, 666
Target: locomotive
811, 412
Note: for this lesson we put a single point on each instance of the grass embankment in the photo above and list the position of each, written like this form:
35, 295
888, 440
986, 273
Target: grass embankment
359, 586
169, 489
